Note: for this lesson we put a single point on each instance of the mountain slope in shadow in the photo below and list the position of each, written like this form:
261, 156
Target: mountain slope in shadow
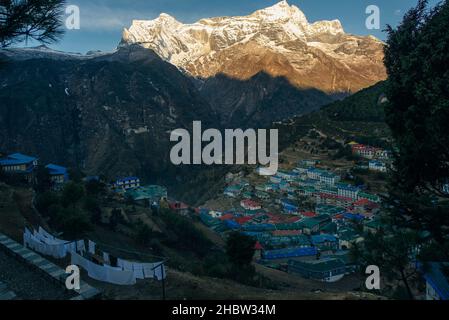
260, 100
109, 115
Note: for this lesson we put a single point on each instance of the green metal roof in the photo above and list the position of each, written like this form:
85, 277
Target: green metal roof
324, 265
147, 192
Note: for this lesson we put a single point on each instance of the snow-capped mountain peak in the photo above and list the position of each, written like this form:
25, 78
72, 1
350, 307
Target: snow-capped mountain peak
213, 45
332, 27
282, 11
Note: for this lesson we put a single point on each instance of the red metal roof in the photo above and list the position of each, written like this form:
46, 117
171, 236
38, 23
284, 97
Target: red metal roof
292, 219
258, 246
227, 216
366, 203
178, 205
243, 220
309, 214
361, 202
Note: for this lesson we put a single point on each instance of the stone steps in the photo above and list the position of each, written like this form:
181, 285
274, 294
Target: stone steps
37, 262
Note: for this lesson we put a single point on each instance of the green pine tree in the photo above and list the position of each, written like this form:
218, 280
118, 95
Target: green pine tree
417, 112
32, 19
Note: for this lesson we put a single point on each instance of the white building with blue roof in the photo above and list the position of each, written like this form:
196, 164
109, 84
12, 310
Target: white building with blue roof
348, 191
375, 165
18, 163
287, 175
58, 174
127, 183
314, 173
329, 179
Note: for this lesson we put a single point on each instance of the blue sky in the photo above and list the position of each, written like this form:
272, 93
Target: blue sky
102, 21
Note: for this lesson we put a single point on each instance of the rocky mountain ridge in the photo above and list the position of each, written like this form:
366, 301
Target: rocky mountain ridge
277, 40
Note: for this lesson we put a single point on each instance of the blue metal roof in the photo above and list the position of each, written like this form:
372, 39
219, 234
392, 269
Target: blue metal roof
259, 227
232, 224
352, 216
289, 253
288, 202
316, 239
16, 159
56, 170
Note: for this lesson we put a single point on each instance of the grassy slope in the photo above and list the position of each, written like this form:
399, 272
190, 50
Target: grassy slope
358, 116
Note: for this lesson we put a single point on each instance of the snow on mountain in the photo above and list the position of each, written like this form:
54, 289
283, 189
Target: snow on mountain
179, 42
44, 52
243, 46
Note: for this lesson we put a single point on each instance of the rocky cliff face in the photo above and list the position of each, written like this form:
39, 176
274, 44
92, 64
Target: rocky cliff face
110, 113
278, 41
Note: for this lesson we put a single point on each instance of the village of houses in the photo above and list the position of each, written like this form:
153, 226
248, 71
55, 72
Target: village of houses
304, 220
289, 235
